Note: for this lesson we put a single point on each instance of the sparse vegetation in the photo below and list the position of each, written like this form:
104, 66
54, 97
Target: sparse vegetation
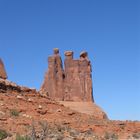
3, 134
107, 136
114, 136
44, 131
136, 135
14, 112
19, 137
55, 131
111, 136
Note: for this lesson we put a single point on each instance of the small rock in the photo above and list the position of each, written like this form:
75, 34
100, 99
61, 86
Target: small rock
2, 113
27, 116
42, 112
71, 113
68, 53
56, 51
30, 100
39, 107
59, 110
1, 104
83, 54
3, 119
20, 97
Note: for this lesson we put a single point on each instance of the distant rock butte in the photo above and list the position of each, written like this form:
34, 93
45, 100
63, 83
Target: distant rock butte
71, 83
3, 74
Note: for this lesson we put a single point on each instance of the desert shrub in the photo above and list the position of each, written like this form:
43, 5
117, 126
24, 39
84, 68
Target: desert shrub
136, 135
19, 137
3, 134
107, 136
114, 136
14, 112
42, 134
110, 136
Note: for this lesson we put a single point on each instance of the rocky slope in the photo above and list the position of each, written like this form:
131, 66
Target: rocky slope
24, 111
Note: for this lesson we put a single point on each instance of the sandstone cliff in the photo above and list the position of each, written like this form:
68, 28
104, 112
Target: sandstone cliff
71, 83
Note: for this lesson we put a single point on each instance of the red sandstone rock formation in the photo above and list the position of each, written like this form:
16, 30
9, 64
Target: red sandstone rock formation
54, 79
78, 81
3, 74
74, 83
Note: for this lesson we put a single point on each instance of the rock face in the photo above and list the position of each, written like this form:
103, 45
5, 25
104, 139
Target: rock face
73, 83
3, 74
53, 85
8, 86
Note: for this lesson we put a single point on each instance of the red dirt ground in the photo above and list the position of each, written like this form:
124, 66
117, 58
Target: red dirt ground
35, 108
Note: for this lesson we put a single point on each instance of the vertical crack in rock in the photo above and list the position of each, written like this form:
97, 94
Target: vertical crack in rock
73, 83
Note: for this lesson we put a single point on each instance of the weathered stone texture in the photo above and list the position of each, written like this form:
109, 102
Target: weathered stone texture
8, 86
78, 81
74, 83
54, 78
3, 74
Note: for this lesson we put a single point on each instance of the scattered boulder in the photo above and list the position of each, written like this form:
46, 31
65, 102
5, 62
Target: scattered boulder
42, 112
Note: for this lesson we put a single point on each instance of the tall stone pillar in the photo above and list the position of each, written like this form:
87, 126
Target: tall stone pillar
69, 70
78, 78
85, 73
53, 84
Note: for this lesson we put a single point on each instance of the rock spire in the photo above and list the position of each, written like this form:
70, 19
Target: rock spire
71, 83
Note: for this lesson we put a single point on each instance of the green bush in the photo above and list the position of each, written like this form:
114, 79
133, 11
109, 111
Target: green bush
14, 112
3, 134
19, 137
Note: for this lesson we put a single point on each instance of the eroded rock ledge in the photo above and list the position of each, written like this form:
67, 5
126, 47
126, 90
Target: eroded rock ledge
6, 85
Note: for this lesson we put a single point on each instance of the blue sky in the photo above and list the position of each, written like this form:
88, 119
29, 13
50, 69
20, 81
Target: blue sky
108, 29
